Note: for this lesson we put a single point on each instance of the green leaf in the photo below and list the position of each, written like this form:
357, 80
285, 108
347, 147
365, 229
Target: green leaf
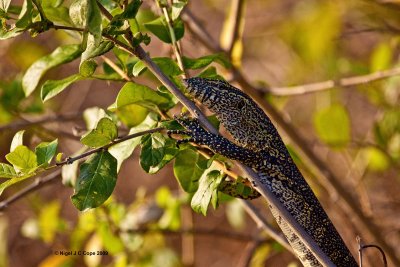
112, 243
23, 158
92, 115
170, 151
208, 185
87, 68
159, 28
177, 7
381, 57
17, 140
201, 62
45, 152
333, 125
61, 55
104, 133
86, 14
49, 221
130, 11
123, 150
26, 15
188, 168
96, 181
132, 93
210, 72
167, 66
93, 50
153, 150
7, 171
52, 88
376, 159
15, 180
59, 15
4, 4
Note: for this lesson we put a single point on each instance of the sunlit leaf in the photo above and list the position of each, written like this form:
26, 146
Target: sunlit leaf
87, 68
86, 14
201, 62
159, 28
376, 159
7, 171
96, 181
105, 132
132, 93
17, 140
52, 88
49, 221
110, 241
381, 57
123, 150
4, 4
333, 125
208, 185
177, 7
61, 55
45, 152
168, 66
23, 158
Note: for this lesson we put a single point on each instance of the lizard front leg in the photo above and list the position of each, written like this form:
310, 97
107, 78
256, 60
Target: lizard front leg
217, 143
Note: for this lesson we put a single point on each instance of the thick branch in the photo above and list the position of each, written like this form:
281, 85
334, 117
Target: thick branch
39, 183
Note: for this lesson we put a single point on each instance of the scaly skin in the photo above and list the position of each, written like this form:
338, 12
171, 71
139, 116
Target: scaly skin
258, 145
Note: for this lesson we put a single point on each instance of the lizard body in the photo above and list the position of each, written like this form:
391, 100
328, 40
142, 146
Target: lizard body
258, 145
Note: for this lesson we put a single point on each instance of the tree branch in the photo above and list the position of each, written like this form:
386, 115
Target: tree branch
321, 86
47, 119
39, 183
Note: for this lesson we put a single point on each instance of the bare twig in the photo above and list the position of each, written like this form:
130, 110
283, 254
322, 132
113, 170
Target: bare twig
328, 178
175, 44
117, 69
47, 119
321, 86
258, 218
93, 151
39, 183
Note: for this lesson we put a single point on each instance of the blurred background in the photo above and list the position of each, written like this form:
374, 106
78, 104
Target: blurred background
355, 130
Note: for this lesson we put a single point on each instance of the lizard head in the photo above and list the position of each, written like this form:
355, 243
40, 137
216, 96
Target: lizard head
240, 115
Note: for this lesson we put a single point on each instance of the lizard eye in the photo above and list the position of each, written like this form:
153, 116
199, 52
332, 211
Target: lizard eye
240, 104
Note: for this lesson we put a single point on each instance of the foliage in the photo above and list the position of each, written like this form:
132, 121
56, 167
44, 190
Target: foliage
96, 40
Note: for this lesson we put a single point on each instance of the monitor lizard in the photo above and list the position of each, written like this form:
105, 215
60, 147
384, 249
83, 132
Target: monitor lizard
257, 144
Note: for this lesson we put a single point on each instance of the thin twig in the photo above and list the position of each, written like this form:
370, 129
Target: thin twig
321, 86
39, 183
70, 160
174, 42
117, 69
46, 119
328, 178
258, 218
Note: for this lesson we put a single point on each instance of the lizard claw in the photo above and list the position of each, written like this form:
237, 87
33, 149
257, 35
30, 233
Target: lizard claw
197, 134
